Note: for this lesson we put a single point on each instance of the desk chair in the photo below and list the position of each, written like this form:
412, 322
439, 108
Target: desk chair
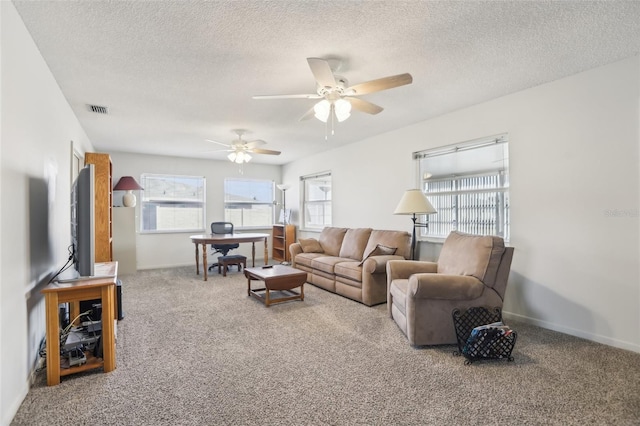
224, 249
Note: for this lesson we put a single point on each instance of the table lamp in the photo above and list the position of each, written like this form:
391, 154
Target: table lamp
129, 184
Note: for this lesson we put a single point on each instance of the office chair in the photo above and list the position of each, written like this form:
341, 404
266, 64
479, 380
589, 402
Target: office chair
222, 228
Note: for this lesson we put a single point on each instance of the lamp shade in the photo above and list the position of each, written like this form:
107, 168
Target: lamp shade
283, 186
127, 183
342, 109
414, 202
322, 110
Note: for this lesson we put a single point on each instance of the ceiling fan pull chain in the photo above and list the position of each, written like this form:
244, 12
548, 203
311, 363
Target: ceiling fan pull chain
326, 131
332, 114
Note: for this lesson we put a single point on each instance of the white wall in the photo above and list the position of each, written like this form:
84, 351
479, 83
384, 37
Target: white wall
176, 249
574, 160
37, 127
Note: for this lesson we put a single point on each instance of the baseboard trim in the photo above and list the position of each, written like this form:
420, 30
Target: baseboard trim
173, 265
630, 346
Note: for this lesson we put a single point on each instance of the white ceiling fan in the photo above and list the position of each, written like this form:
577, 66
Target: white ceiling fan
241, 149
337, 97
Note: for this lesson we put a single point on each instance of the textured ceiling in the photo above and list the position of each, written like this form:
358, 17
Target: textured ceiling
176, 73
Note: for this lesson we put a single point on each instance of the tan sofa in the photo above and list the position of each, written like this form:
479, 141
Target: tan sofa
471, 271
351, 262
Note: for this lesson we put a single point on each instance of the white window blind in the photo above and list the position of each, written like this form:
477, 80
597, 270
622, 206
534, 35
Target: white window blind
248, 203
171, 203
316, 200
468, 185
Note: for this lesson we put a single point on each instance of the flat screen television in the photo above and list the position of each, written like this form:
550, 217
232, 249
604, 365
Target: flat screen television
83, 222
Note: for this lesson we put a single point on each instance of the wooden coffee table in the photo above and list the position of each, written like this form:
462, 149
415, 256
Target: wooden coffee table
280, 278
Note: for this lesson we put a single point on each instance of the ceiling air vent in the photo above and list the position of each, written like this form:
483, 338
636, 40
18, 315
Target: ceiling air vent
98, 109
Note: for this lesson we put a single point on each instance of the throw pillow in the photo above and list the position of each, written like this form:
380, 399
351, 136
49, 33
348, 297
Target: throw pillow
380, 250
310, 245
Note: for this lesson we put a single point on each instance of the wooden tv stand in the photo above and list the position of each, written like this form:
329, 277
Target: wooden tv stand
74, 292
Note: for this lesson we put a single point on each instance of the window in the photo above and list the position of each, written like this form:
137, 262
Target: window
317, 200
468, 184
248, 203
172, 203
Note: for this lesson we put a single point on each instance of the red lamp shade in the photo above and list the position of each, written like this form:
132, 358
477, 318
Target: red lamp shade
127, 183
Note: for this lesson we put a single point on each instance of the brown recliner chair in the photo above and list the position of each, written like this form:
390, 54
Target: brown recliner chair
471, 271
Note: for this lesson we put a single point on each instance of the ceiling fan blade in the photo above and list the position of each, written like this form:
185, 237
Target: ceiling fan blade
254, 143
322, 72
309, 114
219, 143
303, 96
218, 150
364, 106
380, 84
264, 151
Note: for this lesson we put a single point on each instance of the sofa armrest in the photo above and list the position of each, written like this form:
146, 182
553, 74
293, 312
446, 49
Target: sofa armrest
444, 287
378, 264
403, 269
294, 249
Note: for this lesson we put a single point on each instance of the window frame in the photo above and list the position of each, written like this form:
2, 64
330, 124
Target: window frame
270, 203
143, 202
479, 192
304, 180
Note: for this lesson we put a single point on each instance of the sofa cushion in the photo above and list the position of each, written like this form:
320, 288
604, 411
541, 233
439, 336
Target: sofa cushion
354, 243
310, 245
351, 270
331, 240
306, 258
380, 250
327, 263
398, 239
473, 255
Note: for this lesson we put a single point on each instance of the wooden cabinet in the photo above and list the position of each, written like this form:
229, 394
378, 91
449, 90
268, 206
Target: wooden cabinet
124, 239
283, 237
103, 202
73, 292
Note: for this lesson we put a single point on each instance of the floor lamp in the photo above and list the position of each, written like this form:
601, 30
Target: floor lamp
283, 187
414, 202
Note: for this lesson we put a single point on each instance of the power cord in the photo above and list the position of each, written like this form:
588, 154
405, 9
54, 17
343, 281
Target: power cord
66, 266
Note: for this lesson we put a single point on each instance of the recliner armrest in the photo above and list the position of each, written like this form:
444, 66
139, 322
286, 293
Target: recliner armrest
445, 287
403, 269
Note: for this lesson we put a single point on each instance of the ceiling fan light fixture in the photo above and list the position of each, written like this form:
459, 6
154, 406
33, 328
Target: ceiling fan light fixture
322, 110
342, 109
239, 157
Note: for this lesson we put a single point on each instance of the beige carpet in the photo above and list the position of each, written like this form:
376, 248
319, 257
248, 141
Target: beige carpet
202, 353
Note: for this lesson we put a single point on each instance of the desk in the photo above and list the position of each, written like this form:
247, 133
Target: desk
205, 239
74, 292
